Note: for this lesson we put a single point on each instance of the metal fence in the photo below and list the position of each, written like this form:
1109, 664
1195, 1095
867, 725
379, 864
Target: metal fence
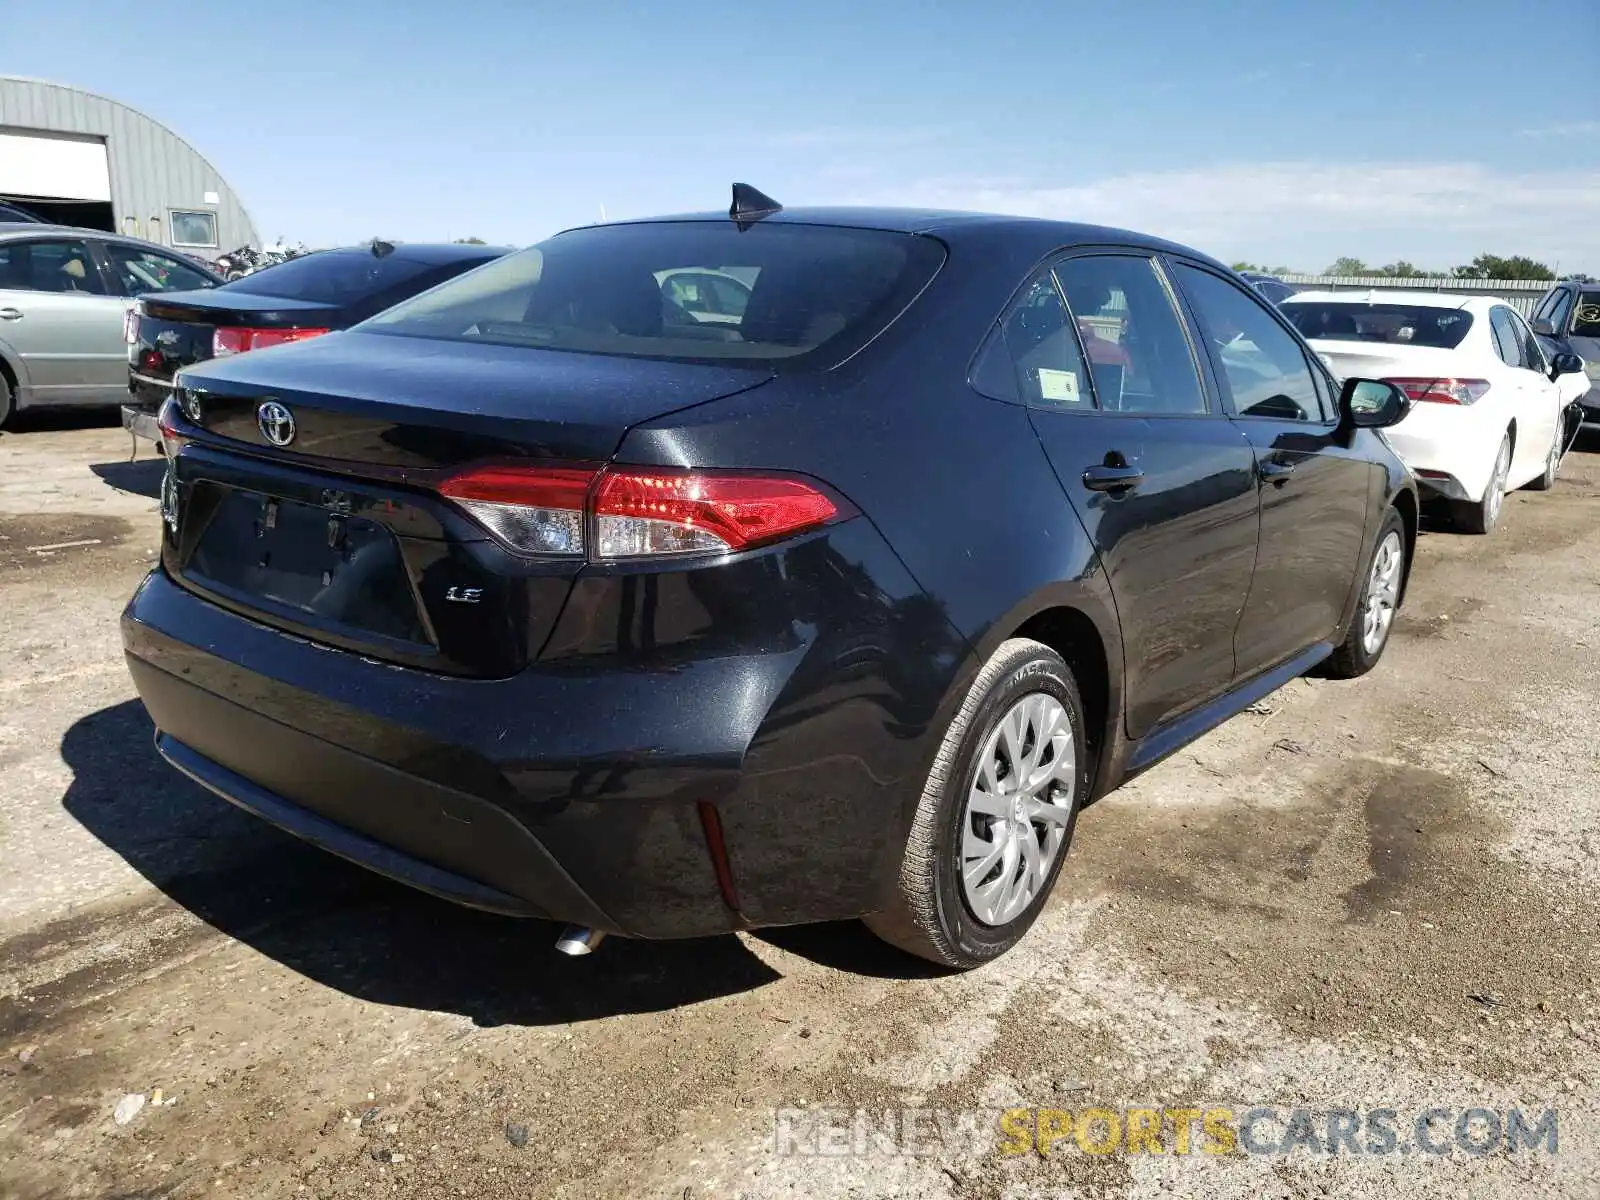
1521, 294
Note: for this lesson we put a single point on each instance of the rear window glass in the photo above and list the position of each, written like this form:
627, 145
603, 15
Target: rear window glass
689, 291
330, 277
1586, 320
1401, 324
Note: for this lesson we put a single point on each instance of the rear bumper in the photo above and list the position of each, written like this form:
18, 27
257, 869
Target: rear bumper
575, 790
141, 422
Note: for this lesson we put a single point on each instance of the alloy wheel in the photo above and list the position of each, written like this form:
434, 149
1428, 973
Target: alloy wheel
1497, 483
1383, 592
1018, 809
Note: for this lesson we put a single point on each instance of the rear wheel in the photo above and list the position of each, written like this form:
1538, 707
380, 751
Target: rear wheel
1552, 464
996, 815
1380, 597
1483, 516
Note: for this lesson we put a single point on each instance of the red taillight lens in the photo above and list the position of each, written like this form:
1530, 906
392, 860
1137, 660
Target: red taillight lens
130, 326
642, 514
167, 421
534, 510
1443, 391
236, 339
635, 513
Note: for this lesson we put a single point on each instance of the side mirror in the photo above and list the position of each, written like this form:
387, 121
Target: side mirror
1373, 403
1544, 328
1565, 364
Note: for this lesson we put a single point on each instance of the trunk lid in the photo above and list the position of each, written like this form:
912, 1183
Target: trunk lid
1384, 360
402, 402
340, 535
175, 328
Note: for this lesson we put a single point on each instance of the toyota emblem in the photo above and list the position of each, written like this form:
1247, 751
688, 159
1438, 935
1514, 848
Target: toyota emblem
276, 422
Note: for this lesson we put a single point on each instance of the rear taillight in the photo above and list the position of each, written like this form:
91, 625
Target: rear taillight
1443, 391
238, 339
617, 513
172, 439
130, 326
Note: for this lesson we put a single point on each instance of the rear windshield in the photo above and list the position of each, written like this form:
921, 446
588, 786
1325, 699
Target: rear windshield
1402, 324
1586, 320
694, 291
330, 277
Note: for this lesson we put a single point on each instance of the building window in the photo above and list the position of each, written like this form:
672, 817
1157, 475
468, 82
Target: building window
194, 228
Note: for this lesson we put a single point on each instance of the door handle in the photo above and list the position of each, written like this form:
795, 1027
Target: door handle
1273, 471
10, 314
1103, 477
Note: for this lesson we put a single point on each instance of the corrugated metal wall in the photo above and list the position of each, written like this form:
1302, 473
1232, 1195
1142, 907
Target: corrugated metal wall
153, 170
1521, 294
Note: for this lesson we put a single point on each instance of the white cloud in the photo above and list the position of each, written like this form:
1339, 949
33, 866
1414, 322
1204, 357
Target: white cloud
1309, 213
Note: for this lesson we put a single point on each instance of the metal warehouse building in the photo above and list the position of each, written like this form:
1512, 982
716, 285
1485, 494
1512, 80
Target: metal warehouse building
80, 159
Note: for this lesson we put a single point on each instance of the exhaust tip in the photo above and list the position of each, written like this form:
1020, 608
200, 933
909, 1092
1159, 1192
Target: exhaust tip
579, 939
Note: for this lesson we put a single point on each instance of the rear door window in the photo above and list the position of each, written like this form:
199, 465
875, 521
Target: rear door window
1506, 342
51, 266
672, 290
1139, 356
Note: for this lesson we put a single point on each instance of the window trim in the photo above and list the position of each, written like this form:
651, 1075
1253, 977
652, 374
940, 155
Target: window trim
1314, 365
172, 228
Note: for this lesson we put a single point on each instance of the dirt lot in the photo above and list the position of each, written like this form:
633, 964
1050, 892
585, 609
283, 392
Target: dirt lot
1371, 895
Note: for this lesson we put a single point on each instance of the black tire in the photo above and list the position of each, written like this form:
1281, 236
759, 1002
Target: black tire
1353, 658
1552, 464
930, 916
1482, 516
8, 401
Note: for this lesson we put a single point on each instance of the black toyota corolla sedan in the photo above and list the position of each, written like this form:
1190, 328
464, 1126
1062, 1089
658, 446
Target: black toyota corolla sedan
546, 594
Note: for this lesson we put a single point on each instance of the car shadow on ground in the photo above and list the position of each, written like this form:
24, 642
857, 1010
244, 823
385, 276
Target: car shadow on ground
349, 929
141, 477
56, 420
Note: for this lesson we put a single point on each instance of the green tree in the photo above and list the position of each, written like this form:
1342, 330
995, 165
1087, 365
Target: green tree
1400, 270
473, 241
1493, 266
1348, 266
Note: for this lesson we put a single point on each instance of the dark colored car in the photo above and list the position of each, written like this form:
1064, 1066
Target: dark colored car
1567, 321
291, 301
1270, 286
546, 596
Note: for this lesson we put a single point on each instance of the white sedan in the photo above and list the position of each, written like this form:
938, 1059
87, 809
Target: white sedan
1487, 415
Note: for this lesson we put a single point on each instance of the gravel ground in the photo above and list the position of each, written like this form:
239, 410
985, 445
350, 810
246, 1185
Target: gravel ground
1363, 896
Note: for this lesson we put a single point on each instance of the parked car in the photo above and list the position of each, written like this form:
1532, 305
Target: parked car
1270, 286
1489, 414
540, 594
1568, 322
299, 298
64, 298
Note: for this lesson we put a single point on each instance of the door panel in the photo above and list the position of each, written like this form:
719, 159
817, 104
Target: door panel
1178, 546
1314, 489
64, 328
1164, 486
70, 345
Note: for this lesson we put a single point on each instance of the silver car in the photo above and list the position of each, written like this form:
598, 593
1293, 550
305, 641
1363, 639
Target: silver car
64, 297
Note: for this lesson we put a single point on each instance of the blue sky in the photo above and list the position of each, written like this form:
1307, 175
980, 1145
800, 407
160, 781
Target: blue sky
1262, 129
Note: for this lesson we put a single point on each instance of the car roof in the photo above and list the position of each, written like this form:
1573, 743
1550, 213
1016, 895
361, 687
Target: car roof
32, 229
1398, 296
951, 227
